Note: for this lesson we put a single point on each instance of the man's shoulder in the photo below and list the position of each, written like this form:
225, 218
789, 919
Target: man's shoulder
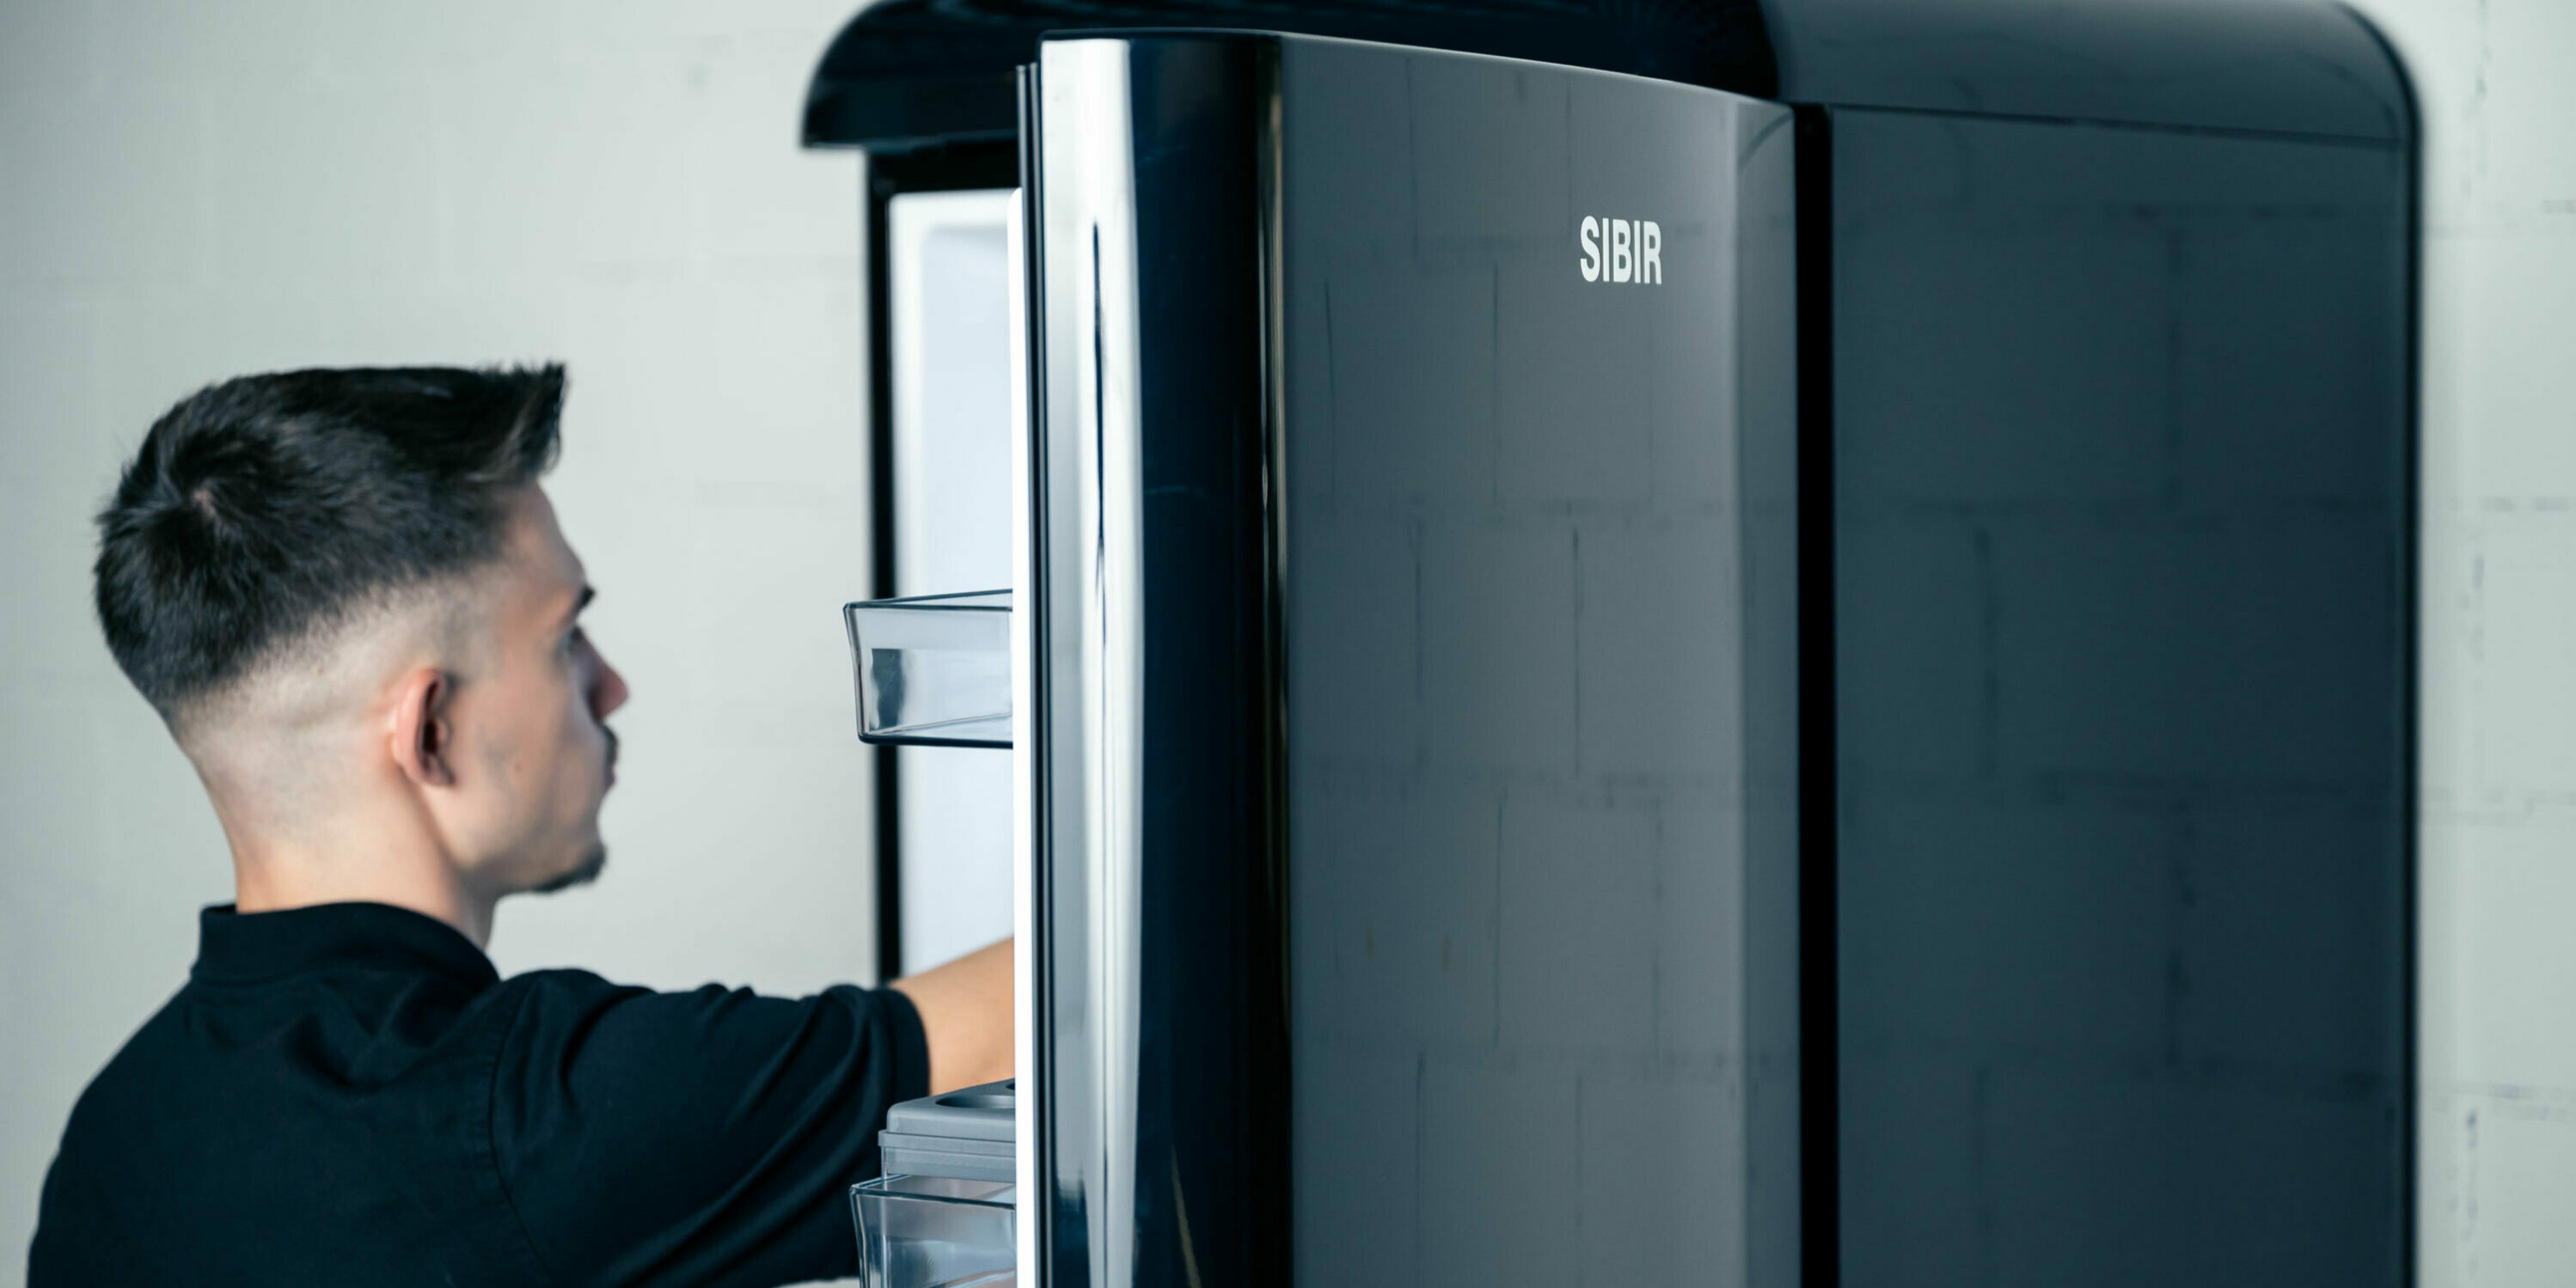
570, 1005
245, 1122
561, 982
556, 984
584, 1056
212, 1052
738, 1117
129, 1075
556, 987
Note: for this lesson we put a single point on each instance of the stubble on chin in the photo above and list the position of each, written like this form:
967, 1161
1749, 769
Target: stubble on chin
580, 874
586, 871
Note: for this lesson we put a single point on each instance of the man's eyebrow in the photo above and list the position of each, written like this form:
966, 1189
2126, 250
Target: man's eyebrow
588, 593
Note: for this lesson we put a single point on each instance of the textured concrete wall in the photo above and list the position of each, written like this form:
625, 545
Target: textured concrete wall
193, 191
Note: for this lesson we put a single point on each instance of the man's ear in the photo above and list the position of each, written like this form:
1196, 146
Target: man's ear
422, 737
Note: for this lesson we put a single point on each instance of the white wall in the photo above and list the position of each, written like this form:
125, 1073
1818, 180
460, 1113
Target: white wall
190, 191
2497, 80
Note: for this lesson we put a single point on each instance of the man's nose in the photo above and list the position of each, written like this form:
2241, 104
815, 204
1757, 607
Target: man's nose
608, 692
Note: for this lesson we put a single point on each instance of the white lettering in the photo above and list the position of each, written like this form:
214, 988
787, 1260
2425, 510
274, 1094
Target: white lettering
1620, 250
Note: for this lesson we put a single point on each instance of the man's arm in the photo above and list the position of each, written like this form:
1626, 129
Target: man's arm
706, 1138
966, 1016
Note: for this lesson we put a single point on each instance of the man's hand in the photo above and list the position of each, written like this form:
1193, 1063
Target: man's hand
965, 1010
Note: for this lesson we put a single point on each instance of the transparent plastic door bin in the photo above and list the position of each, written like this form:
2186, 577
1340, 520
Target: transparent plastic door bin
936, 1232
934, 670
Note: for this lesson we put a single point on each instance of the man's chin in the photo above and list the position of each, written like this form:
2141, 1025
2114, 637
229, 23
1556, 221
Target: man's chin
580, 874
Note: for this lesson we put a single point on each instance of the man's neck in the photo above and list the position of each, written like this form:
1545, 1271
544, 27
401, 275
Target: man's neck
385, 862
269, 887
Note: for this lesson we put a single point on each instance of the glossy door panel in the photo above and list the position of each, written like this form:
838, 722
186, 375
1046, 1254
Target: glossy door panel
1526, 796
1400, 769
1162, 1034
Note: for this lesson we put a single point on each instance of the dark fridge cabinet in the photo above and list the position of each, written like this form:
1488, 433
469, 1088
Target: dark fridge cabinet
1729, 644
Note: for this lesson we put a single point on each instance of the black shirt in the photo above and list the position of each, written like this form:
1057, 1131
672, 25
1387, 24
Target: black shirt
348, 1094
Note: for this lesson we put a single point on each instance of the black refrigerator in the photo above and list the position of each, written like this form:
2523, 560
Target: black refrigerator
1725, 643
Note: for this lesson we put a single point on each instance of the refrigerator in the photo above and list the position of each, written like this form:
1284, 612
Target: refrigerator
1733, 644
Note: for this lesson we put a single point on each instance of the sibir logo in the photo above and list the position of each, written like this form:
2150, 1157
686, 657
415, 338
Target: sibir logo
1636, 251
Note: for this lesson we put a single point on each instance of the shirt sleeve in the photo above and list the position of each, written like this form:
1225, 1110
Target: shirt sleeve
705, 1138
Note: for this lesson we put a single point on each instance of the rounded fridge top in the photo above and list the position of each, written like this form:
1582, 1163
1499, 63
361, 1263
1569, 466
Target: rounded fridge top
911, 73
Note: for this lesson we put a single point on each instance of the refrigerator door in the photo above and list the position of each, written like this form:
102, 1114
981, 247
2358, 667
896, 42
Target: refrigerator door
1413, 635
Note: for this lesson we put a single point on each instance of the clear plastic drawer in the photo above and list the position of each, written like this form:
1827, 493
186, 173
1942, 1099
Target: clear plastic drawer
936, 1232
934, 670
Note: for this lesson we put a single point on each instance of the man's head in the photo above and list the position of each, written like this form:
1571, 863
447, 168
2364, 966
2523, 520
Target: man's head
348, 598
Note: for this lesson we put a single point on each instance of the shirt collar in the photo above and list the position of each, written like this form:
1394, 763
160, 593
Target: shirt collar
246, 947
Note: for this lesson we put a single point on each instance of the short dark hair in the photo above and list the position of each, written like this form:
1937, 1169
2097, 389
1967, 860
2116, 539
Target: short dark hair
262, 510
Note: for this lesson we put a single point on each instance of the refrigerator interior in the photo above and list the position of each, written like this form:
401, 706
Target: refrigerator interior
951, 530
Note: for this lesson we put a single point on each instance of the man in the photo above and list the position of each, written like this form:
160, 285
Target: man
348, 598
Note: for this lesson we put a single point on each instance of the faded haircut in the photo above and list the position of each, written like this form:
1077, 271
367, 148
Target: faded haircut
264, 511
